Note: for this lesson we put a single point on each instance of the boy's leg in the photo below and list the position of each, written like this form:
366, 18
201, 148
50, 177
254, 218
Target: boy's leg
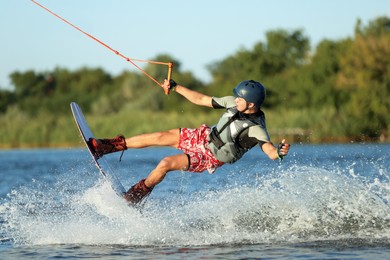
165, 138
170, 163
143, 188
119, 143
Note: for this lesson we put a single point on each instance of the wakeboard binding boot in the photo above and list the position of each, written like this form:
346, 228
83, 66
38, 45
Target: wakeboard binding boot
137, 193
101, 147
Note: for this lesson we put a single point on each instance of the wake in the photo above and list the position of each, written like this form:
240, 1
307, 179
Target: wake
299, 204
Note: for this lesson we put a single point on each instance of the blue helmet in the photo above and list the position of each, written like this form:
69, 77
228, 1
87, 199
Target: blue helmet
251, 91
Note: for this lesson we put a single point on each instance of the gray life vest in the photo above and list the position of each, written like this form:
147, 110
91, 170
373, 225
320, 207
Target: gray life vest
223, 138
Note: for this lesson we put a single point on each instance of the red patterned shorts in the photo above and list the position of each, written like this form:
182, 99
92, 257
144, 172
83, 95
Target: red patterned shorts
193, 142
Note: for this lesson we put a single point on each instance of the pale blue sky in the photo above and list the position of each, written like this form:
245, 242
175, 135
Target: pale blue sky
196, 32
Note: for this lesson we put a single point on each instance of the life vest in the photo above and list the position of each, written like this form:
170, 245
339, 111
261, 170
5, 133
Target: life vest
223, 137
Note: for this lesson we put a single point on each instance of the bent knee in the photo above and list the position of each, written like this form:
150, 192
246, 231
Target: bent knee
166, 164
173, 163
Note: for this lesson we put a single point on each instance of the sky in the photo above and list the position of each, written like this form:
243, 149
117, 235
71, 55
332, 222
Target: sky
197, 33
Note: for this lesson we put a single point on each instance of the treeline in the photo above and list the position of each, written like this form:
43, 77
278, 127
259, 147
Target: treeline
338, 91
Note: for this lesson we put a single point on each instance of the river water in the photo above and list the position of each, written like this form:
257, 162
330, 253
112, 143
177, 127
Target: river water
321, 202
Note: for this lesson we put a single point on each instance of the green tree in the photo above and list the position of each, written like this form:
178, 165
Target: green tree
365, 73
283, 50
30, 89
7, 98
313, 84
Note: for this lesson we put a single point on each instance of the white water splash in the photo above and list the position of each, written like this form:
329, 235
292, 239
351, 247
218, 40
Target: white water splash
300, 204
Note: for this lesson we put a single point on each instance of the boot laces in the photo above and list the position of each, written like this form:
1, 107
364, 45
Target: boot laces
121, 142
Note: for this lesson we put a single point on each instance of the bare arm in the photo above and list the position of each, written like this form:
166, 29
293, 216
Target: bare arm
194, 97
270, 150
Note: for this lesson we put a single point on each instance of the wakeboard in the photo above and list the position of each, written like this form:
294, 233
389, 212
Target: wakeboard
100, 162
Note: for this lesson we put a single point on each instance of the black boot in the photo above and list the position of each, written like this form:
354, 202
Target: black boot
105, 146
137, 193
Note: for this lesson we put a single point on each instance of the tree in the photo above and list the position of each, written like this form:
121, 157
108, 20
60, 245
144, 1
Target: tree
322, 70
30, 83
7, 98
283, 50
365, 73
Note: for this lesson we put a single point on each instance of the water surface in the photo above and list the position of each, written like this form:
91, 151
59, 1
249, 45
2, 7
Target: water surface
322, 201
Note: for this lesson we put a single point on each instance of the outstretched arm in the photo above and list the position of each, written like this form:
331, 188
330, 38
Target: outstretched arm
273, 153
193, 96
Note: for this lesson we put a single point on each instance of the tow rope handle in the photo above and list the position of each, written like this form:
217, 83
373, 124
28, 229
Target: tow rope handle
170, 66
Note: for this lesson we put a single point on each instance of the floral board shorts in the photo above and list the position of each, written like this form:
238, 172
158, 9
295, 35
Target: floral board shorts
194, 143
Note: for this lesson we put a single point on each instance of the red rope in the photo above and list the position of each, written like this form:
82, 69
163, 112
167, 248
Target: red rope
169, 64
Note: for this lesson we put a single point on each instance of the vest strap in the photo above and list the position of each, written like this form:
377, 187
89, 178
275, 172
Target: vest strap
215, 138
214, 134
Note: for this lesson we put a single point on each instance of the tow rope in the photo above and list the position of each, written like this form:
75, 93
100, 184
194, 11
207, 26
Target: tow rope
131, 60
